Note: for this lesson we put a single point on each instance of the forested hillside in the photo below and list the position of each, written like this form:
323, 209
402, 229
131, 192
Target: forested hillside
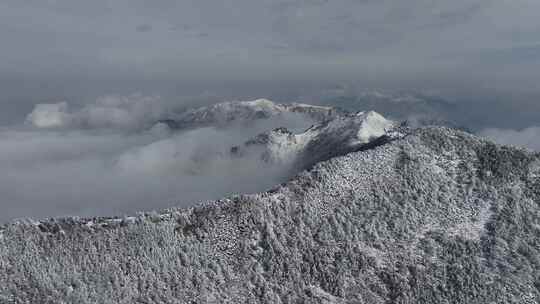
438, 216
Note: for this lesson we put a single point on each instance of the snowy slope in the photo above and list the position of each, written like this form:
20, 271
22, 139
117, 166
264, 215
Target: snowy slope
383, 214
342, 134
436, 216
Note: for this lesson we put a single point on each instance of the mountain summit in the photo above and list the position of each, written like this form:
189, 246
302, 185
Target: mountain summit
426, 215
227, 113
338, 136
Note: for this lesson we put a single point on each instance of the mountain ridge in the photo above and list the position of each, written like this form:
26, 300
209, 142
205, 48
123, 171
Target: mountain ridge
338, 136
436, 216
226, 113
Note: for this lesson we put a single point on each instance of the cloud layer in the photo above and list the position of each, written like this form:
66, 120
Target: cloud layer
109, 157
529, 137
99, 160
302, 39
117, 112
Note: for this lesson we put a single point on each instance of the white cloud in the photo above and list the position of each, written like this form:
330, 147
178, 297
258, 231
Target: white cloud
49, 115
117, 112
529, 137
85, 163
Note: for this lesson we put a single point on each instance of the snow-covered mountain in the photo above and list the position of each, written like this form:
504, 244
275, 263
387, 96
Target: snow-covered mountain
384, 214
338, 136
333, 132
238, 112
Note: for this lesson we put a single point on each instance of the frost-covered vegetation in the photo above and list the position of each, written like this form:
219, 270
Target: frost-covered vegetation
438, 216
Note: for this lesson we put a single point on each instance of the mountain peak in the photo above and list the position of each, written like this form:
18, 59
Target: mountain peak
334, 137
231, 112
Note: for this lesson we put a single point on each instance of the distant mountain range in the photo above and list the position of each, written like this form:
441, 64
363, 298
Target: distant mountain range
227, 113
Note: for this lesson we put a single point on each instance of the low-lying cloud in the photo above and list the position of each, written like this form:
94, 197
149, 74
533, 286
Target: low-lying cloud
119, 112
529, 137
108, 159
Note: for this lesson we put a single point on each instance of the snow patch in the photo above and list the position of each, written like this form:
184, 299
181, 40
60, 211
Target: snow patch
373, 125
534, 170
261, 103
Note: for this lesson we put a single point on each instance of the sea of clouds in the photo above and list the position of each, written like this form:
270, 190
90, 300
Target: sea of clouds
110, 158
